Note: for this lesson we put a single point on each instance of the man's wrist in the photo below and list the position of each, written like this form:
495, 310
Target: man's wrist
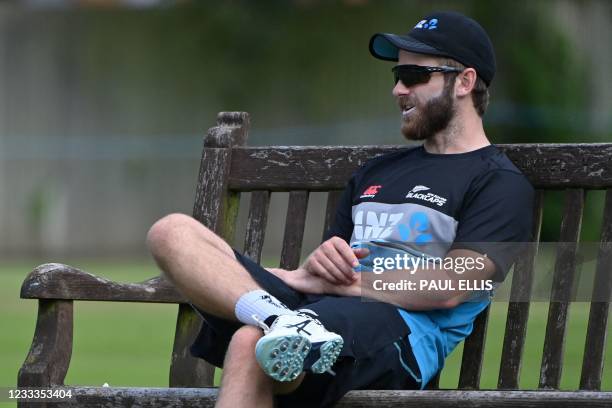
278, 272
354, 290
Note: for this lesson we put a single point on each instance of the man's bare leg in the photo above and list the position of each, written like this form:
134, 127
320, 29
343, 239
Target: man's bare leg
200, 264
204, 269
244, 384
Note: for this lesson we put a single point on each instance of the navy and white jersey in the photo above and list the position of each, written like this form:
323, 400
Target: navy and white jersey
416, 202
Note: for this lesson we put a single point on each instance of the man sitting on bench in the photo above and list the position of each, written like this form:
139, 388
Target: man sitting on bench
320, 338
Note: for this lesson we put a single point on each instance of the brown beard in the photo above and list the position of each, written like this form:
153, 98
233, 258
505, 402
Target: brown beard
432, 117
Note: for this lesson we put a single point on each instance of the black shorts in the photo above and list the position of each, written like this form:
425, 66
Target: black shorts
376, 352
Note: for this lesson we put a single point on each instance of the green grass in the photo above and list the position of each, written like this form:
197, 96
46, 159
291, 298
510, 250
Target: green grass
130, 344
530, 372
127, 344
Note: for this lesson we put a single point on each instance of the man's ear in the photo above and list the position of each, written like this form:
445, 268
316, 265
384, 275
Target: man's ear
465, 82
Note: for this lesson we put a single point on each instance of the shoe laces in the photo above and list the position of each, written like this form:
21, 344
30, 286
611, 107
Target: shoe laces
266, 329
261, 323
309, 312
310, 317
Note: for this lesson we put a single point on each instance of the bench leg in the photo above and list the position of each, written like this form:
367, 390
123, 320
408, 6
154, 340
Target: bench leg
49, 357
186, 370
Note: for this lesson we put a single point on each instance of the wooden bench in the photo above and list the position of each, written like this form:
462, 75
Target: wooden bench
228, 168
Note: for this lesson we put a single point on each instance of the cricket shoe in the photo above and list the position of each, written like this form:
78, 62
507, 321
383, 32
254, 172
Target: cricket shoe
294, 343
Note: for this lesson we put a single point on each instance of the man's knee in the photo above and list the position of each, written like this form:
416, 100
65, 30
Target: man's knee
242, 344
242, 349
164, 232
171, 229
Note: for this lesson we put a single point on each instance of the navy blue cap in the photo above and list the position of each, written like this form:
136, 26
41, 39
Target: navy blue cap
446, 34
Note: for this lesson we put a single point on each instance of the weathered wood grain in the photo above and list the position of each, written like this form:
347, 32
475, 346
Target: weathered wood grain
562, 287
206, 397
518, 307
593, 360
256, 224
58, 281
217, 208
212, 183
473, 353
49, 356
283, 168
333, 198
188, 324
294, 229
213, 204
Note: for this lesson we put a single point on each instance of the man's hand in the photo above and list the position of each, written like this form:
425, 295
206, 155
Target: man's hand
334, 261
303, 281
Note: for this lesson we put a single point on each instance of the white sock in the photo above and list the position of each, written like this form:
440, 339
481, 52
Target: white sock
261, 304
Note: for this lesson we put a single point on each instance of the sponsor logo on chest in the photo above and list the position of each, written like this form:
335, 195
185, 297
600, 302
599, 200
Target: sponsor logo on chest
421, 193
371, 191
373, 225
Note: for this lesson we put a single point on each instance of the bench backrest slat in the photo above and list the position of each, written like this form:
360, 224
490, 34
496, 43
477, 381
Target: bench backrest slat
518, 308
278, 168
294, 229
593, 360
256, 224
562, 288
333, 198
473, 353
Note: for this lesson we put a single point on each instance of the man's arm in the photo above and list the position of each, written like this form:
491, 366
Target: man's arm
333, 261
427, 288
327, 270
370, 285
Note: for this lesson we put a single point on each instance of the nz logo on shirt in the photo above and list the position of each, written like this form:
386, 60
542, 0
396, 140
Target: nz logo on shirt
417, 230
418, 193
375, 225
380, 225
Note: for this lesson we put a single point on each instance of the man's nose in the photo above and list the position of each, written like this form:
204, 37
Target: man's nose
400, 89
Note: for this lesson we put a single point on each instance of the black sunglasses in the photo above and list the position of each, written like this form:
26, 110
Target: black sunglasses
417, 74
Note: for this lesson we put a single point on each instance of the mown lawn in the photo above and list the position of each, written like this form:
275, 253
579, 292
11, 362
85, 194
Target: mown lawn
129, 344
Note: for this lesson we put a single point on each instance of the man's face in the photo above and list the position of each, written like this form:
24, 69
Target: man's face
426, 108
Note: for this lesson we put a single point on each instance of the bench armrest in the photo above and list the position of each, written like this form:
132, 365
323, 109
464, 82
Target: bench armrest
56, 286
58, 281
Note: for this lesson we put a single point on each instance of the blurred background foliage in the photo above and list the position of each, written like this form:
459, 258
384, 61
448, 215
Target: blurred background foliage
97, 98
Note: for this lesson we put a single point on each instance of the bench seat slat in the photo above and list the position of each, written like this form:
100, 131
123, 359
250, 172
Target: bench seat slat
282, 168
206, 397
58, 281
